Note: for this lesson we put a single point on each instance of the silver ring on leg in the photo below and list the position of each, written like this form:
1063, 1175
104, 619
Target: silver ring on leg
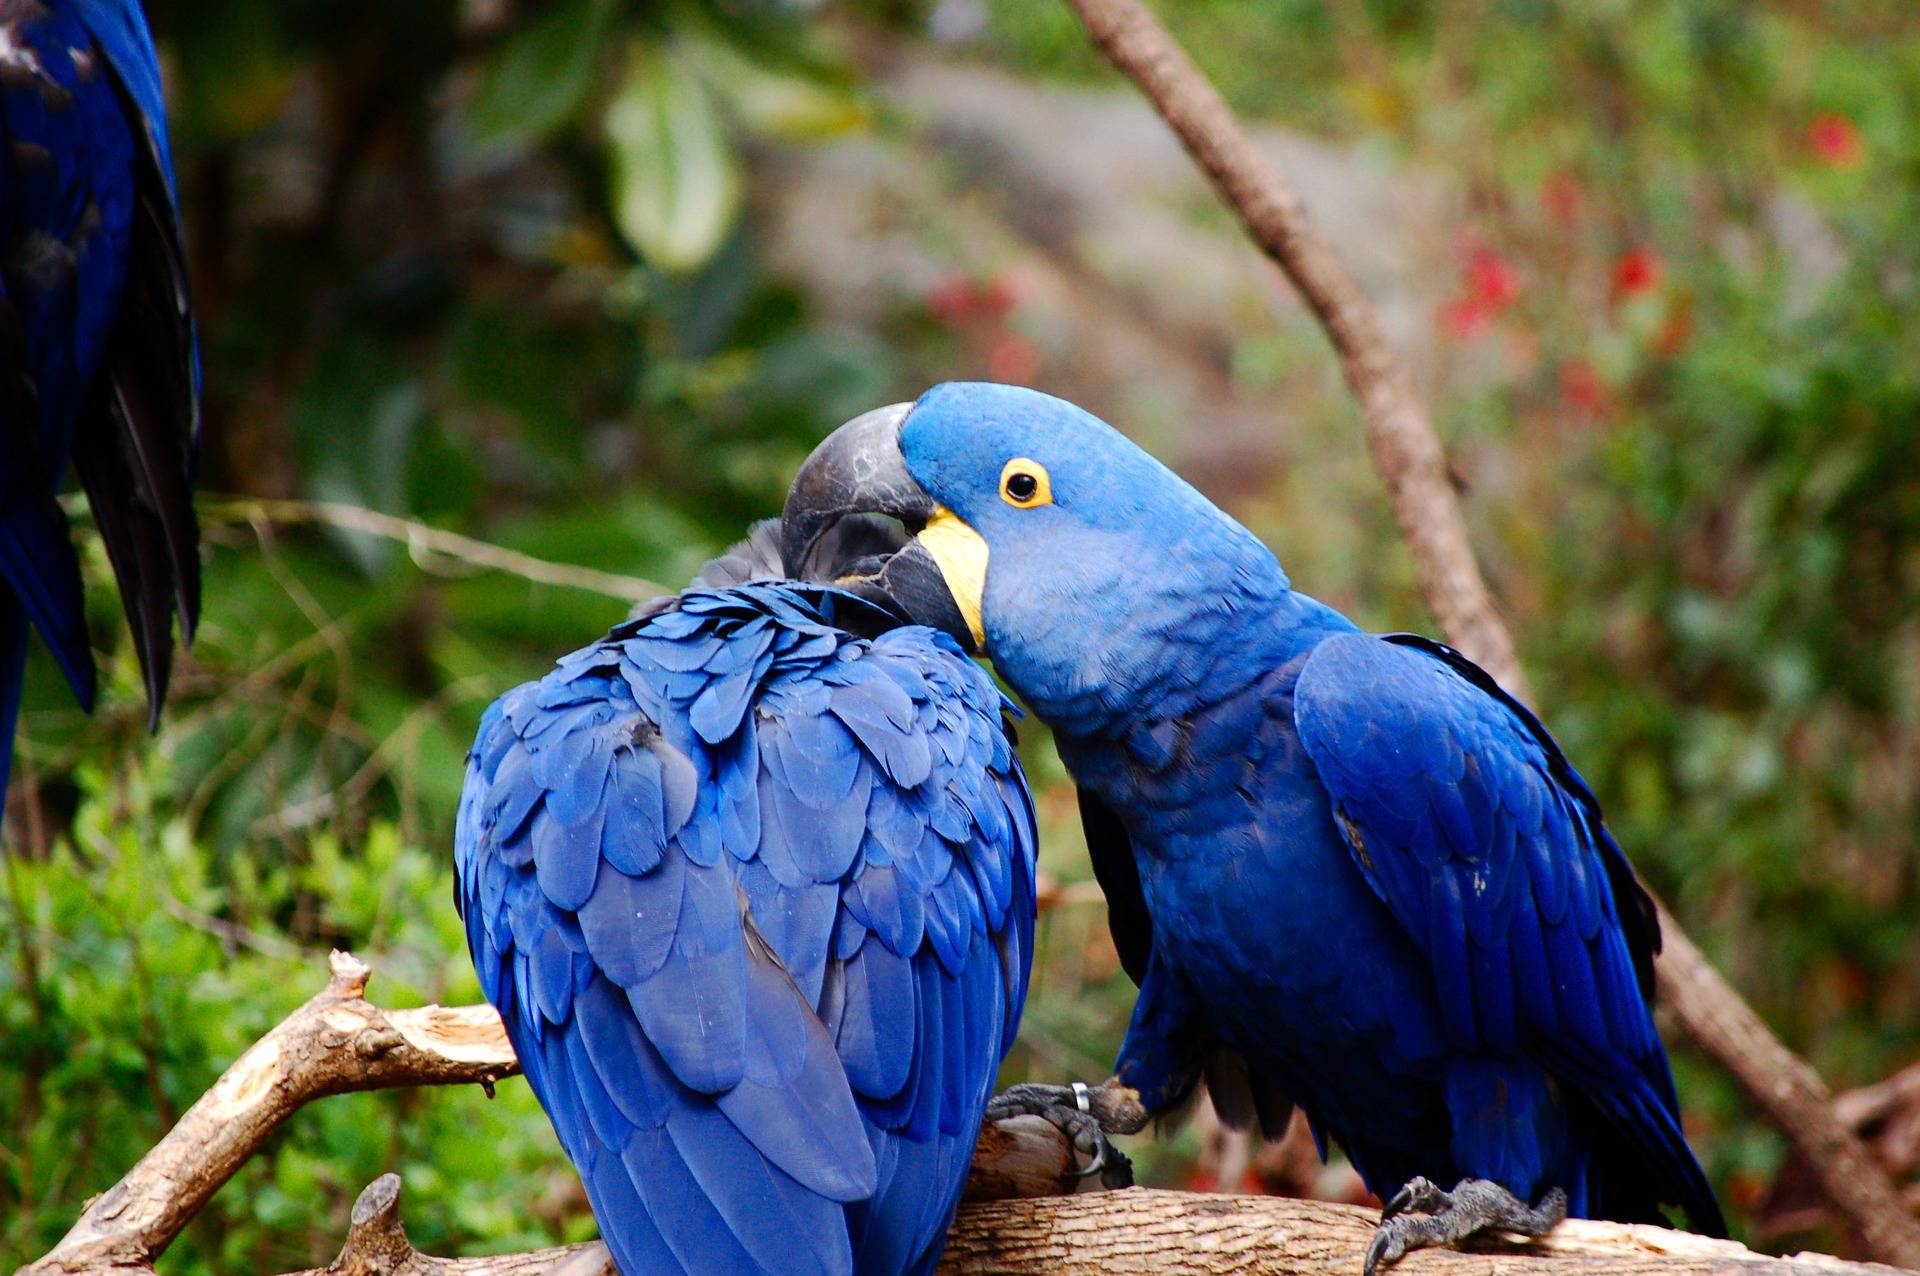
1081, 1098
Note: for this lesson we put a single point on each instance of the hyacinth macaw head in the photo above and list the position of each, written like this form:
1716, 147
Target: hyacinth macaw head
1041, 537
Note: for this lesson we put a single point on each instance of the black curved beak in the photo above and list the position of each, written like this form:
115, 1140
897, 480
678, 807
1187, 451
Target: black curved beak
859, 470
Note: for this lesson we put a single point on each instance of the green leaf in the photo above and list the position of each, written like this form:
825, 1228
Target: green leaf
675, 178
776, 103
535, 84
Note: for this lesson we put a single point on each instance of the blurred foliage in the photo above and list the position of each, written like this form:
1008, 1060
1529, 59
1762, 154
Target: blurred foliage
503, 268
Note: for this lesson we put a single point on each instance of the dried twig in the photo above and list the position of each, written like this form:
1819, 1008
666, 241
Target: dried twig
1407, 453
1872, 1104
424, 543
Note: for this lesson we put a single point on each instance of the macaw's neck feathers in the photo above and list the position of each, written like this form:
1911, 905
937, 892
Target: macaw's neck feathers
1185, 627
854, 546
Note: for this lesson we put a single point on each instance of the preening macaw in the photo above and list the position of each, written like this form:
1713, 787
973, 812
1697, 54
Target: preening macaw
98, 365
1347, 871
751, 883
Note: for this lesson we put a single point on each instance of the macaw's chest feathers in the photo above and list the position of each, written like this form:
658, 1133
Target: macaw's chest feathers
1366, 882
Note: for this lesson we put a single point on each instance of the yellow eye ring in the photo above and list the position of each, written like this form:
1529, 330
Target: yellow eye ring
1024, 484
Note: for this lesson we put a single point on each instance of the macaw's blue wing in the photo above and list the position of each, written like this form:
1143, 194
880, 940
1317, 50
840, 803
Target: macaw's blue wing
754, 898
1480, 838
97, 350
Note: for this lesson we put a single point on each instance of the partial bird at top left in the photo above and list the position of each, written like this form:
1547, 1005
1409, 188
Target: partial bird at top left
99, 367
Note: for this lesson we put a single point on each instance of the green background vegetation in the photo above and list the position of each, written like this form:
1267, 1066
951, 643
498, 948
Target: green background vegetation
526, 271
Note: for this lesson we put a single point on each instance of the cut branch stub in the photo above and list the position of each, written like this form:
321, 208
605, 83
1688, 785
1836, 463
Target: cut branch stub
377, 1245
336, 1043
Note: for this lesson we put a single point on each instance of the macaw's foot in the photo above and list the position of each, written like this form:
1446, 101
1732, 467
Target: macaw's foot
1420, 1215
1085, 1115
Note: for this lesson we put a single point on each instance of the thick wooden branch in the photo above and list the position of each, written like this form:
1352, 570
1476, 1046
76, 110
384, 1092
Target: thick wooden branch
1139, 1232
1149, 1233
338, 1042
1407, 453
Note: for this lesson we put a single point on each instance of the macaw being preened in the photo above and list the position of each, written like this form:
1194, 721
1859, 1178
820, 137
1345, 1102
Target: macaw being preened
97, 355
751, 883
1347, 871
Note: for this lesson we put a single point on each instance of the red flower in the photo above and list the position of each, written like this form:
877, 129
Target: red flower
1835, 140
1638, 270
1581, 387
994, 298
951, 300
1012, 359
1489, 285
1490, 280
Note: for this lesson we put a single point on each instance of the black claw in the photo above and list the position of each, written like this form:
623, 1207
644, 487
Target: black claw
1418, 1195
1097, 1165
1059, 1106
1376, 1252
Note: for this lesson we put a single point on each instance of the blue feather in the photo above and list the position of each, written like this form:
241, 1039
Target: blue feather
664, 871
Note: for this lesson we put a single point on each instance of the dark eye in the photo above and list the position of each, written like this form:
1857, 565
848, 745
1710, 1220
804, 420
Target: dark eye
1024, 484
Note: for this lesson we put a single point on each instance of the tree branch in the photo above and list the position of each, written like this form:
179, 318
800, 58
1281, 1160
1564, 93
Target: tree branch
339, 1042
1141, 1232
1412, 465
377, 1245
425, 544
1138, 1232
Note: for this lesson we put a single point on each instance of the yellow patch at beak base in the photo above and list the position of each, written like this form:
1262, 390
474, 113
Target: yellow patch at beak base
962, 557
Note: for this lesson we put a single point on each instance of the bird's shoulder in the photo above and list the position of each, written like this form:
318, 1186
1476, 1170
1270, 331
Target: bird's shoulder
1461, 809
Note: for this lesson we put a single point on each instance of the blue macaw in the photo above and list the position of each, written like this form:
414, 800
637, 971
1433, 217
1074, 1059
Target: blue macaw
1347, 871
751, 883
98, 362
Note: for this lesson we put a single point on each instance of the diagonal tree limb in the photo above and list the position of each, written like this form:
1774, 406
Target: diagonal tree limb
337, 1043
1407, 453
